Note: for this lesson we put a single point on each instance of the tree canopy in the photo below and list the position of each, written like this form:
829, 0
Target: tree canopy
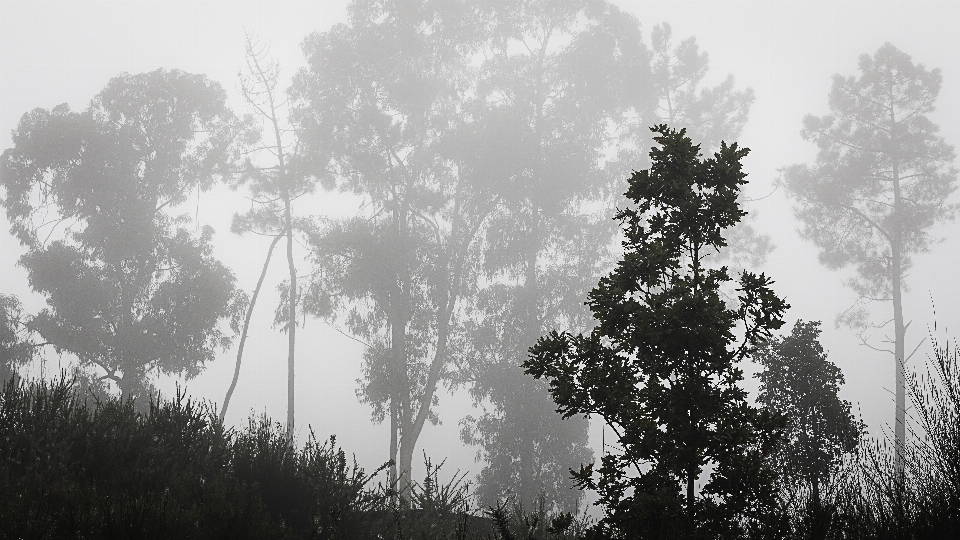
129, 288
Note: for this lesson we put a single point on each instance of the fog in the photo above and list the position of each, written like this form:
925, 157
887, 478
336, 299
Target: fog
786, 52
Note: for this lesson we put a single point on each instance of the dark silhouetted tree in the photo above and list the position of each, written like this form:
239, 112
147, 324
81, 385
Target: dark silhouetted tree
881, 180
800, 384
660, 368
129, 288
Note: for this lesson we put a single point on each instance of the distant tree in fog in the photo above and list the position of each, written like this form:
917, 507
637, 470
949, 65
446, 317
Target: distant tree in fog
383, 112
272, 175
558, 79
660, 368
130, 289
578, 88
881, 179
800, 384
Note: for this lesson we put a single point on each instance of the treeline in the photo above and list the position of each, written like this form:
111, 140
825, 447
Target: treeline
488, 145
74, 467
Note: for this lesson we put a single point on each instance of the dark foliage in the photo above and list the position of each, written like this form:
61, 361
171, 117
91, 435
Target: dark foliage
112, 471
800, 384
661, 366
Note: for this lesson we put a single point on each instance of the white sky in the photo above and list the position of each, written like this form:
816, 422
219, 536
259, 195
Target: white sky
787, 51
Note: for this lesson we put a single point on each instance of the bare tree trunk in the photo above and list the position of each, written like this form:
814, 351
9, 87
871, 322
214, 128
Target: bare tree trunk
400, 314
899, 328
292, 307
246, 326
528, 490
264, 101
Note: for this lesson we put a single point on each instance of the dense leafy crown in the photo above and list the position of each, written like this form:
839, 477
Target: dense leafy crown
661, 366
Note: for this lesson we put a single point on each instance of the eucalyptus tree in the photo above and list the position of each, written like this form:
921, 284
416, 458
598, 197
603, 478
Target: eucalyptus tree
382, 111
581, 88
881, 180
561, 76
130, 288
661, 367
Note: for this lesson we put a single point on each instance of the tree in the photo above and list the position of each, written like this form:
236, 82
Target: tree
557, 76
661, 365
380, 110
581, 88
800, 384
129, 288
274, 186
16, 345
881, 180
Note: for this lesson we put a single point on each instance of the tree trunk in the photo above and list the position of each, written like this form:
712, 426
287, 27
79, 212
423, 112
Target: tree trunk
896, 278
292, 307
246, 326
399, 315
899, 328
394, 428
528, 490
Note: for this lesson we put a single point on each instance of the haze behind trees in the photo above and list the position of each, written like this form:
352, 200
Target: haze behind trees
247, 285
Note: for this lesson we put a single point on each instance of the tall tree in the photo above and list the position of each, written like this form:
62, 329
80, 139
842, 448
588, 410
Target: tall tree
381, 109
275, 181
800, 384
560, 77
881, 180
130, 289
582, 89
661, 366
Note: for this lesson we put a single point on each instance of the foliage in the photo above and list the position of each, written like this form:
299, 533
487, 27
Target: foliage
111, 470
880, 182
556, 80
661, 366
16, 344
800, 384
379, 110
709, 114
880, 496
130, 289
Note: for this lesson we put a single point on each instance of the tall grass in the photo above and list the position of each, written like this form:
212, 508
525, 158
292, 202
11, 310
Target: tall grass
871, 499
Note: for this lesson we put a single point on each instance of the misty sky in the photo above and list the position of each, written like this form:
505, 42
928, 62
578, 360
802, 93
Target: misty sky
787, 51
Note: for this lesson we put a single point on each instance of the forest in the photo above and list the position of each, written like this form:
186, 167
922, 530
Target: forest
544, 209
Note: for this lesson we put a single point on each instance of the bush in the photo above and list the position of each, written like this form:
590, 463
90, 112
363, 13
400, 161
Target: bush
111, 471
